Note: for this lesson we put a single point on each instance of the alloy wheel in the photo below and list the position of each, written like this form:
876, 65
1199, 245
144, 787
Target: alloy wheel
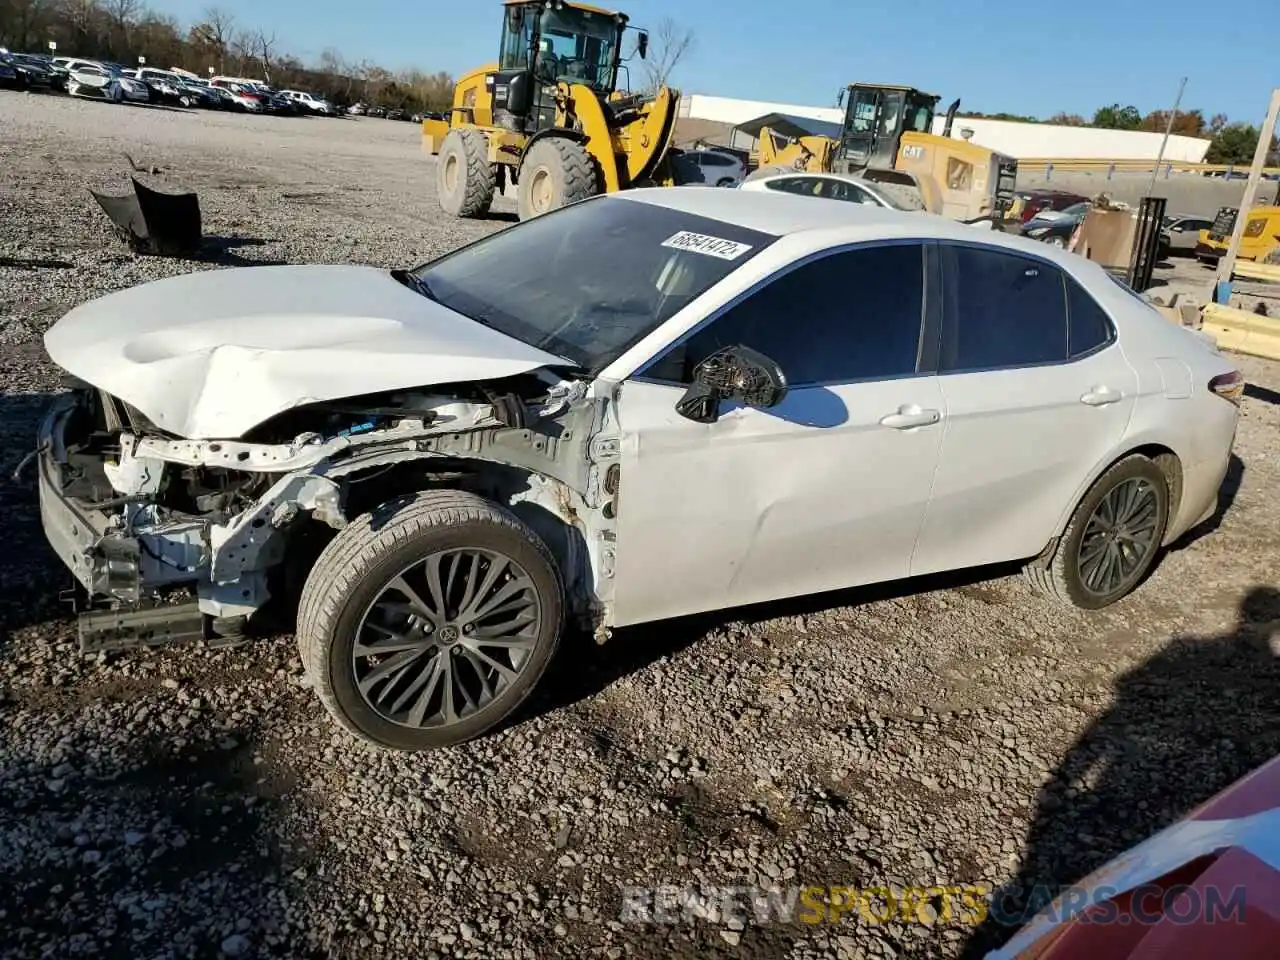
446, 637
1119, 536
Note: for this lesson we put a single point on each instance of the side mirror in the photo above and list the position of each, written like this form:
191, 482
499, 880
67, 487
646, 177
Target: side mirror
840, 96
738, 374
642, 45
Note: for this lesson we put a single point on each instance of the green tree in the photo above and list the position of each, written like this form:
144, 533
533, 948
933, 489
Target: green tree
1236, 142
1116, 117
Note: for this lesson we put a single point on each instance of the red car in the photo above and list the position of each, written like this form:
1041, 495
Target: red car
1207, 886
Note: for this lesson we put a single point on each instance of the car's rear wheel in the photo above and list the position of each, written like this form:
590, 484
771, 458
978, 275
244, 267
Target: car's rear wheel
1112, 540
426, 622
1056, 241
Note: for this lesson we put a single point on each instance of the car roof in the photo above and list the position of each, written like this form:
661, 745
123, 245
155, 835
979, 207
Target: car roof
784, 214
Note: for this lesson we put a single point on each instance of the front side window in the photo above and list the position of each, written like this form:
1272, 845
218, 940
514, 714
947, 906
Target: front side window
1005, 310
589, 280
849, 316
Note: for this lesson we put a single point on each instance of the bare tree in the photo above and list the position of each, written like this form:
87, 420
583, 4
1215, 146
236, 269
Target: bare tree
216, 30
669, 44
263, 45
123, 13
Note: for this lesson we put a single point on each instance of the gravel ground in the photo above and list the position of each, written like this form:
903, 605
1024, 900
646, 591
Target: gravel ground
191, 802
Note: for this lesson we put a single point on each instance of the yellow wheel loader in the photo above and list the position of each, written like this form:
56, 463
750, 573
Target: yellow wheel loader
886, 137
548, 116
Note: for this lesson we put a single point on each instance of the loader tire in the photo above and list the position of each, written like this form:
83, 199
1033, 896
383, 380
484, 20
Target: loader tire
465, 180
555, 172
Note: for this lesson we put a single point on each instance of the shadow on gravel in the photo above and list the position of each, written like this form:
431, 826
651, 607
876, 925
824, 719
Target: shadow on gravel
121, 847
30, 575
222, 251
32, 263
1194, 718
1265, 394
583, 668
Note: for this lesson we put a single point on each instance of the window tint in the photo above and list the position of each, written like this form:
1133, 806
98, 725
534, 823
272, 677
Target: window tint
1088, 326
848, 316
1006, 310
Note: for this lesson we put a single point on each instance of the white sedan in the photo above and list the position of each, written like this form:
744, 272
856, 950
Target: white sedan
644, 405
96, 81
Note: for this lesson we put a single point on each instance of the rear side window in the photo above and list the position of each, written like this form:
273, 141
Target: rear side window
1088, 326
1004, 310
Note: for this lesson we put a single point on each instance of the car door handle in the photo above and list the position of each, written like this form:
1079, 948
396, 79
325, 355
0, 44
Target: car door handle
1101, 396
910, 416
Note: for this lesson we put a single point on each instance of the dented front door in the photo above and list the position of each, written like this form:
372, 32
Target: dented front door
817, 494
826, 490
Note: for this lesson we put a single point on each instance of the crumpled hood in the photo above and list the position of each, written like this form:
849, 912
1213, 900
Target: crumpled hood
212, 354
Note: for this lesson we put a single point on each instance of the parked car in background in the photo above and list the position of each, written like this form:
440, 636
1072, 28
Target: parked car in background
1181, 234
832, 186
1028, 203
483, 448
93, 81
24, 72
356, 110
849, 189
168, 87
710, 167
243, 99
9, 73
1055, 227
309, 101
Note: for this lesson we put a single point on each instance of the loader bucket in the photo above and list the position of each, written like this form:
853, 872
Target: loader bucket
151, 222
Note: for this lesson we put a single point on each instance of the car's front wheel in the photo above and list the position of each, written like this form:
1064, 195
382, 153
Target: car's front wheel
427, 621
1112, 539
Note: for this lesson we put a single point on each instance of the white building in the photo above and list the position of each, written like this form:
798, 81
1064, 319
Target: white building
1019, 140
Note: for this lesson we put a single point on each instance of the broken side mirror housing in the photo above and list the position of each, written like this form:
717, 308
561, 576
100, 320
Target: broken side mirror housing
738, 374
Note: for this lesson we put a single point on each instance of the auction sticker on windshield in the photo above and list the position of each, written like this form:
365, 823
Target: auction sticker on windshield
711, 246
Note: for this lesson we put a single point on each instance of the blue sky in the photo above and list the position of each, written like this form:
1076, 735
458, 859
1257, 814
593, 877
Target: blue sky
1035, 58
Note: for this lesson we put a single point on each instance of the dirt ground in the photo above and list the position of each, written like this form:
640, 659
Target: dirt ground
195, 802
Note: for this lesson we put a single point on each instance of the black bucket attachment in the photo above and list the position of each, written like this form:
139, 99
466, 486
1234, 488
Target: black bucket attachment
161, 224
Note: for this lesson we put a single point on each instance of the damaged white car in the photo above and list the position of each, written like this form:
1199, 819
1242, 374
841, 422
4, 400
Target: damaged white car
640, 406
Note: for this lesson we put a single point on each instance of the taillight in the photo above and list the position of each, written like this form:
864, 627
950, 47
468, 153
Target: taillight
1229, 386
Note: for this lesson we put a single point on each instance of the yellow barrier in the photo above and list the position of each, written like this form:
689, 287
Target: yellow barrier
1242, 331
1266, 272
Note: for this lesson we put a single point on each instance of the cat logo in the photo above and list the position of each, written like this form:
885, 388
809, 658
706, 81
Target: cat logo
913, 152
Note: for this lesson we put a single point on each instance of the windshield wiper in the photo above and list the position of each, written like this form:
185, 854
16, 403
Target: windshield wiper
415, 283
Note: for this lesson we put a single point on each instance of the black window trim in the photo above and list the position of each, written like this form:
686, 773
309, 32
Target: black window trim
929, 345
949, 318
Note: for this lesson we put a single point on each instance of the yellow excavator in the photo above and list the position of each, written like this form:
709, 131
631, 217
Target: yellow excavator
548, 116
886, 136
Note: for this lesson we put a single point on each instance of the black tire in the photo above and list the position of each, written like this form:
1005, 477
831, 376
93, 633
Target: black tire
364, 558
464, 176
555, 172
726, 182
1059, 577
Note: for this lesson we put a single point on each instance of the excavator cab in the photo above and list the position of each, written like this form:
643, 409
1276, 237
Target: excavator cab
548, 43
875, 119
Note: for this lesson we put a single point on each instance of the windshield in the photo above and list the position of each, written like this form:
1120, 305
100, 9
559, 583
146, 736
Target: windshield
577, 46
588, 281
